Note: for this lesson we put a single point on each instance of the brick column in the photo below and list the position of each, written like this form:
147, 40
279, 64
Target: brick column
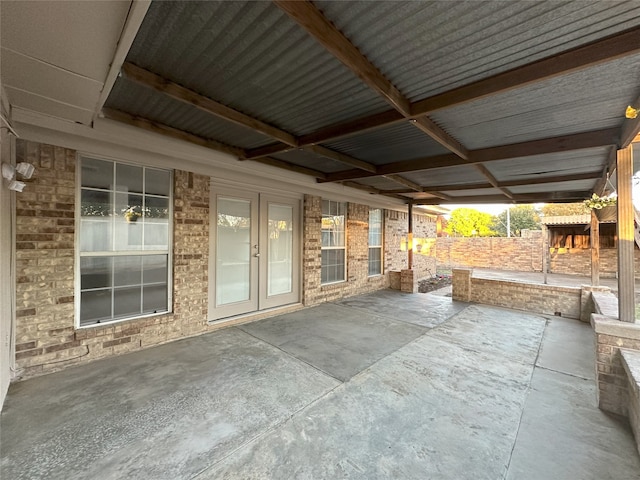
462, 284
408, 283
312, 250
586, 300
611, 336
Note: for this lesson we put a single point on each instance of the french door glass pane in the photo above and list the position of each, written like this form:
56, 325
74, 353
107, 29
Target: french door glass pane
280, 250
233, 250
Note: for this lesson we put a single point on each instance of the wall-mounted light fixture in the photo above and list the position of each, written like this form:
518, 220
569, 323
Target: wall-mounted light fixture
631, 112
9, 173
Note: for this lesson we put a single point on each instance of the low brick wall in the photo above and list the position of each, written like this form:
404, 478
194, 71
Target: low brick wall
523, 254
538, 298
631, 364
611, 336
617, 361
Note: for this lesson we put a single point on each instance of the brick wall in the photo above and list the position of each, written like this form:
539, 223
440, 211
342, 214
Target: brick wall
515, 253
45, 233
424, 228
358, 280
631, 364
612, 380
578, 261
545, 299
46, 337
523, 254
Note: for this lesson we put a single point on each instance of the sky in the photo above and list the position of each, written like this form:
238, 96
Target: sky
491, 208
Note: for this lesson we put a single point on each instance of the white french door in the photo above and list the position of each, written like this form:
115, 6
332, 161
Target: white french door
254, 254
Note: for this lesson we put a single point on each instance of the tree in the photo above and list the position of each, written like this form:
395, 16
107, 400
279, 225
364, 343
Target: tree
468, 222
562, 209
523, 217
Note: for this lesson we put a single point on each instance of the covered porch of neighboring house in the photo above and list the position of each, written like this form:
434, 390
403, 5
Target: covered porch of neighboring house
377, 386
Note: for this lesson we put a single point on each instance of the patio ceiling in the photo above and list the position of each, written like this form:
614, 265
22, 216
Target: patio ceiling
429, 102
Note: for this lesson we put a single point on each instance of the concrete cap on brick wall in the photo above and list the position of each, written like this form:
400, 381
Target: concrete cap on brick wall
607, 326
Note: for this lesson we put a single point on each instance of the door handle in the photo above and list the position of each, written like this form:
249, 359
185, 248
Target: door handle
256, 255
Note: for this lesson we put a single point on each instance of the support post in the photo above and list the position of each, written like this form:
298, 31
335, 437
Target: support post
545, 252
410, 239
626, 282
595, 250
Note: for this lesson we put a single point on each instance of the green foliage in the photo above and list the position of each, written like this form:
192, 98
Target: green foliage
468, 222
563, 209
523, 217
597, 202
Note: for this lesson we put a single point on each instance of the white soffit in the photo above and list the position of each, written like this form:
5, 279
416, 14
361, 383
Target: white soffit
56, 55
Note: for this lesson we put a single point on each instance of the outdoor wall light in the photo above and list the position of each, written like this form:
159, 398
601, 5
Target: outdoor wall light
16, 186
9, 173
631, 112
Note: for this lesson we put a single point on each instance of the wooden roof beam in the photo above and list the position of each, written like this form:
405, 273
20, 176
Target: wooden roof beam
603, 50
414, 186
275, 162
373, 190
510, 183
578, 141
311, 19
168, 131
188, 137
178, 92
609, 168
578, 58
342, 158
439, 135
307, 15
492, 180
548, 197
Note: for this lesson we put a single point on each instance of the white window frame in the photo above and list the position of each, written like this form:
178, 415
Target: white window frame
374, 246
341, 207
79, 254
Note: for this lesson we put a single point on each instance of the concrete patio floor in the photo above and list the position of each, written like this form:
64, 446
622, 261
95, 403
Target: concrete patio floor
381, 386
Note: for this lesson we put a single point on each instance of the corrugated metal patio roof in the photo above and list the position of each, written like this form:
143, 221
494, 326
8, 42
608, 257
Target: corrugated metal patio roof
428, 102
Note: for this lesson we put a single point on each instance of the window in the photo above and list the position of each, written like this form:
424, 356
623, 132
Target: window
333, 242
375, 242
124, 233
